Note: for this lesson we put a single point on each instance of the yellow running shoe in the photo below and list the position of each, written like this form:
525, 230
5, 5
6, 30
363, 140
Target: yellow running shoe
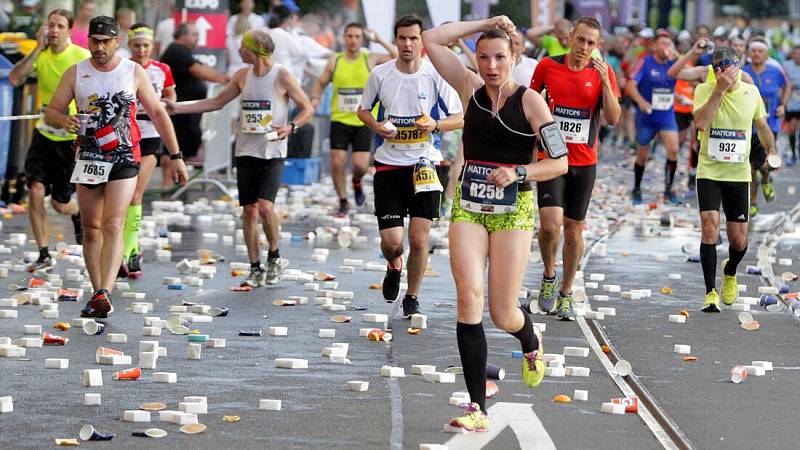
730, 289
474, 420
532, 364
711, 303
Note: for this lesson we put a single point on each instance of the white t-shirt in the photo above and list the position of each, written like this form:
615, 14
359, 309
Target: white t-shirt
163, 33
404, 98
288, 52
523, 70
234, 41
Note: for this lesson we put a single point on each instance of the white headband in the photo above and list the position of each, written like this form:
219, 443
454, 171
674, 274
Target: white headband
758, 44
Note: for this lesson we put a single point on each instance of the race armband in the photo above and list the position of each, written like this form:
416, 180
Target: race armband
552, 140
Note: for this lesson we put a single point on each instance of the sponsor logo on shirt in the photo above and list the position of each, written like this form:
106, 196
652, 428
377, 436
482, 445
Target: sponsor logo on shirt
723, 133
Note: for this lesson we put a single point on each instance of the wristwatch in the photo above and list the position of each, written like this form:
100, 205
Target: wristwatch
294, 127
175, 156
436, 130
522, 173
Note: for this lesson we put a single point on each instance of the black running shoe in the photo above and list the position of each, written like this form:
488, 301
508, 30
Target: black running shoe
135, 266
391, 283
410, 306
358, 193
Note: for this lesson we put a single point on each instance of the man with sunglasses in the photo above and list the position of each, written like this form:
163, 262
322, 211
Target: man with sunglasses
726, 111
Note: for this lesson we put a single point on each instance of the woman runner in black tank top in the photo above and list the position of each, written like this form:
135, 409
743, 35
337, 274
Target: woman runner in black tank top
492, 214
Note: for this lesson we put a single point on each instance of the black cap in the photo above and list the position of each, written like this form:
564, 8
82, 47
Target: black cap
103, 26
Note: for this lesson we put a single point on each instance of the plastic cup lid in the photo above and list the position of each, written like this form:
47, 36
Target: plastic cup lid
86, 432
623, 368
456, 370
193, 428
155, 433
745, 318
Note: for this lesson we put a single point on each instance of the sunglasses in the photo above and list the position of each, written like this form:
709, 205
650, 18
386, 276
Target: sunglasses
724, 64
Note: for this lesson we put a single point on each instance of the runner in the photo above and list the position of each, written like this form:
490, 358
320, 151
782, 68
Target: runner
775, 91
49, 161
493, 206
140, 41
349, 70
416, 103
105, 89
578, 86
725, 111
684, 97
261, 144
653, 91
792, 68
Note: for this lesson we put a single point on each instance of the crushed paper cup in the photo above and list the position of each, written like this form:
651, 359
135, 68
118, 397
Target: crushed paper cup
128, 374
377, 335
738, 374
250, 333
752, 326
153, 406
193, 428
631, 403
150, 432
89, 433
491, 389
68, 442
341, 319
51, 339
745, 318
788, 276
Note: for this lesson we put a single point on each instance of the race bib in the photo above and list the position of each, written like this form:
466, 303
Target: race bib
425, 177
408, 136
662, 99
90, 172
349, 99
256, 116
728, 146
574, 124
480, 196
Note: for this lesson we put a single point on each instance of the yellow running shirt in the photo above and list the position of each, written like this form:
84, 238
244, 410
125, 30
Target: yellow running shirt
349, 80
49, 68
725, 144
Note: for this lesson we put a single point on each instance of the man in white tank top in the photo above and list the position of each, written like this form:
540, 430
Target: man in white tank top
105, 89
264, 125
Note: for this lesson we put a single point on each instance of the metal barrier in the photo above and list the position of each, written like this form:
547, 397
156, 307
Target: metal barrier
216, 149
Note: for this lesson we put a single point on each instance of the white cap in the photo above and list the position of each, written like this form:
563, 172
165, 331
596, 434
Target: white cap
684, 35
647, 33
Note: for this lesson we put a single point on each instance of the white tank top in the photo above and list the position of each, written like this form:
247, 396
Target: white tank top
261, 108
110, 100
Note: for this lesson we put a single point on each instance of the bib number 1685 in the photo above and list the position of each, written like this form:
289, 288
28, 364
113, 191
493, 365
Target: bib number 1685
486, 191
96, 170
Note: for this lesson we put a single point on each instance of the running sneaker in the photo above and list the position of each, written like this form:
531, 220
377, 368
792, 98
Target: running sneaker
99, 306
76, 223
344, 208
753, 211
43, 264
123, 270
730, 289
564, 307
358, 193
135, 266
391, 282
711, 303
672, 197
547, 295
275, 268
532, 364
474, 420
769, 191
410, 306
256, 278
637, 196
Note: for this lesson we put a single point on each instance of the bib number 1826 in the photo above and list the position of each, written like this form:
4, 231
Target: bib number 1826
570, 127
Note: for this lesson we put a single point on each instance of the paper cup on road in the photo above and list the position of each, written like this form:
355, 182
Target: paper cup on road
774, 161
745, 318
623, 368
738, 374
92, 328
83, 119
88, 433
129, 374
495, 372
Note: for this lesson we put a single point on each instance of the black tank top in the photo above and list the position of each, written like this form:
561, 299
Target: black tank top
486, 139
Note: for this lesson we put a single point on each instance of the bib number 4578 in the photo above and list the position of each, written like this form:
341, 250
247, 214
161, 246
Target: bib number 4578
486, 191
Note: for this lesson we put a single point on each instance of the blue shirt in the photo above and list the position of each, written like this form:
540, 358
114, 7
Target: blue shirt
655, 86
793, 72
769, 84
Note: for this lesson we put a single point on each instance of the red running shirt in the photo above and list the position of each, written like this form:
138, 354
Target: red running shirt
575, 99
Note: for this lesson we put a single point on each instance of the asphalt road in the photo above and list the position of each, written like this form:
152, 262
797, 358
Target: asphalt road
318, 410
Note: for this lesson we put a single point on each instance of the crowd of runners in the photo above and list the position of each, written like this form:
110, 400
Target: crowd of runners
528, 135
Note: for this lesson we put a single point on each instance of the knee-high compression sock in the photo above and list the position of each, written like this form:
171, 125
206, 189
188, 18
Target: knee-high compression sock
708, 260
130, 236
638, 172
669, 174
793, 142
472, 347
527, 338
734, 258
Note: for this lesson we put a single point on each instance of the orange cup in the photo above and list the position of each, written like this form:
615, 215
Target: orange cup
631, 403
128, 374
105, 351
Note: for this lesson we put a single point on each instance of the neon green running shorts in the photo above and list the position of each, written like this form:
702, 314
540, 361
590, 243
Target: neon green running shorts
521, 219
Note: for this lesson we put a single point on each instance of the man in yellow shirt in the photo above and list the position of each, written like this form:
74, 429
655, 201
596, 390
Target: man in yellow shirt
49, 162
725, 111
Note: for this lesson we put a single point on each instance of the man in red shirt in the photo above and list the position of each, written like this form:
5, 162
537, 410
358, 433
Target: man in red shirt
578, 86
